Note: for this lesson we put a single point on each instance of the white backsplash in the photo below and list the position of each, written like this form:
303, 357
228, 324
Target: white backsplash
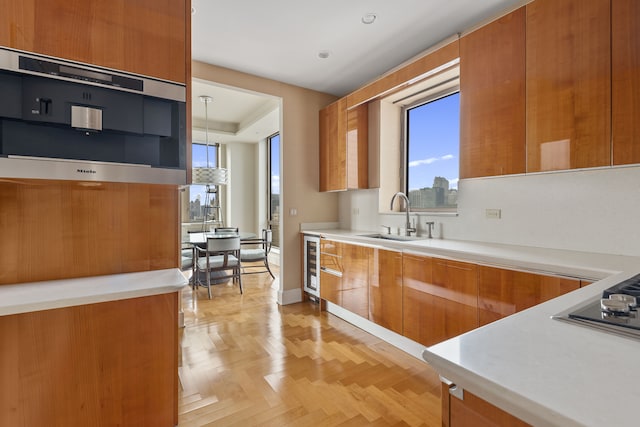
592, 210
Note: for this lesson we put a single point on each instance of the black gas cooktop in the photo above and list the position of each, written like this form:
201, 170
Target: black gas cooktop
616, 310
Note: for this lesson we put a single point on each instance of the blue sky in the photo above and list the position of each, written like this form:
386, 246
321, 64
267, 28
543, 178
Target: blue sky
434, 136
275, 164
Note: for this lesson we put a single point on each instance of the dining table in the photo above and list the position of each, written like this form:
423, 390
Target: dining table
200, 239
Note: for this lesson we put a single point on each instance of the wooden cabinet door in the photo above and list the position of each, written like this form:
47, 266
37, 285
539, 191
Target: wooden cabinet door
492, 105
416, 297
455, 303
504, 292
141, 36
331, 287
568, 84
625, 84
331, 271
474, 411
355, 279
333, 152
385, 289
344, 147
439, 298
358, 147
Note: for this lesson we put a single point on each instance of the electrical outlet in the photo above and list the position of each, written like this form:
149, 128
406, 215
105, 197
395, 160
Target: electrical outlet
493, 213
293, 212
355, 211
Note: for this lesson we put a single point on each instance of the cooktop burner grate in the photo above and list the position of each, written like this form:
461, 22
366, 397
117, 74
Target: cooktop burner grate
630, 286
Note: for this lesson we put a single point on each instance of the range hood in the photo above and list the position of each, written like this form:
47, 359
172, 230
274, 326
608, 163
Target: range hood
72, 121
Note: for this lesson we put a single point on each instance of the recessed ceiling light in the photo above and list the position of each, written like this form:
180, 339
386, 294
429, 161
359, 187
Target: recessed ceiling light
369, 18
324, 54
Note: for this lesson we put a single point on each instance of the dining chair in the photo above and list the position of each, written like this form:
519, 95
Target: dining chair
259, 251
218, 262
187, 255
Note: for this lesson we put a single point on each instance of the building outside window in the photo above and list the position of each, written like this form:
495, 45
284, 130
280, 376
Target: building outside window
197, 193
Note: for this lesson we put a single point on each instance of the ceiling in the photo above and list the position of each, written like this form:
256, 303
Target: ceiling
282, 39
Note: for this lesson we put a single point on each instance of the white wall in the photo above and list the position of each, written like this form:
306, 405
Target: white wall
241, 201
593, 210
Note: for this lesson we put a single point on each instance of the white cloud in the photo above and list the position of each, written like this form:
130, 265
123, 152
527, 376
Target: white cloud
430, 160
275, 184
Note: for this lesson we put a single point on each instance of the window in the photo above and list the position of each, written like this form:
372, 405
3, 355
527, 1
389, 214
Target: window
432, 147
274, 186
197, 193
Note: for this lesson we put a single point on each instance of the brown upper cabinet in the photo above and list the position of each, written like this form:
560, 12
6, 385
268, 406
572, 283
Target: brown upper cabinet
492, 105
568, 84
147, 37
344, 147
625, 84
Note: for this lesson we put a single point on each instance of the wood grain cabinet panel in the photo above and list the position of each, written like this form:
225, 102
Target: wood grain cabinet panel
333, 147
439, 298
331, 271
343, 147
146, 37
492, 105
455, 289
111, 364
625, 84
474, 411
358, 147
417, 273
355, 279
385, 289
568, 84
504, 292
62, 229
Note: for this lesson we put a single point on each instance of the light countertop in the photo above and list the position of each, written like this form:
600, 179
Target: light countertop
544, 371
45, 295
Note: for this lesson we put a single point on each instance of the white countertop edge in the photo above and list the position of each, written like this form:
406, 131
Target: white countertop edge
585, 265
45, 295
508, 400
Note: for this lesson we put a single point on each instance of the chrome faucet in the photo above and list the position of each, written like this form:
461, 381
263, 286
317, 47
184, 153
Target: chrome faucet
409, 229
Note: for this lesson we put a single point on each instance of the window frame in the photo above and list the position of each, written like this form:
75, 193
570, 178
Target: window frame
404, 167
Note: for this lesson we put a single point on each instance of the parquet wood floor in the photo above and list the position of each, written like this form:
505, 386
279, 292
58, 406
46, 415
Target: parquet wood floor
246, 361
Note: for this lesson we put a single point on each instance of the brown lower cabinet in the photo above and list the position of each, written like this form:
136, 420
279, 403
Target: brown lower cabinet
474, 411
427, 299
503, 292
439, 298
355, 279
385, 289
112, 363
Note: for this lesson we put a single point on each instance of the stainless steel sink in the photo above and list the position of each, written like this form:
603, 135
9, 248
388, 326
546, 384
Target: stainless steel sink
392, 237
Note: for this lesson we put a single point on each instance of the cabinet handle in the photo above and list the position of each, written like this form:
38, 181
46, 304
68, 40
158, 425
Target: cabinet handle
331, 272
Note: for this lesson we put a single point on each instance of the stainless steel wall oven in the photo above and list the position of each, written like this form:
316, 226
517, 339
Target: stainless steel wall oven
65, 120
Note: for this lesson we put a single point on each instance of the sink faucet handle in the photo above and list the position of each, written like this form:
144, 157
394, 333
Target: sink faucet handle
387, 227
430, 225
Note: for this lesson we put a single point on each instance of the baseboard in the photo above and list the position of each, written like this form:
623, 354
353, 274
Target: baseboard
403, 343
289, 296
